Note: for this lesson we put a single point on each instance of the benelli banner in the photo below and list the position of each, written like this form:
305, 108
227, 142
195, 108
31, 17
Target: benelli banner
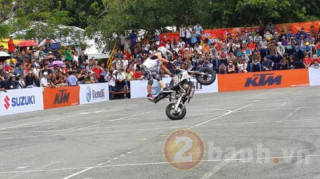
215, 34
93, 93
61, 97
263, 80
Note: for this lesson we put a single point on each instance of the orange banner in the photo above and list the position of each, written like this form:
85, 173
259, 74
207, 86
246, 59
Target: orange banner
221, 33
61, 97
263, 80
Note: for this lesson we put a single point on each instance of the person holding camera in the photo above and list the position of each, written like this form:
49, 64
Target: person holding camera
11, 83
31, 79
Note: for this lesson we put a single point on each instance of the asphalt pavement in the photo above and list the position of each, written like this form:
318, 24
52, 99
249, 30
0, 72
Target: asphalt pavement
251, 134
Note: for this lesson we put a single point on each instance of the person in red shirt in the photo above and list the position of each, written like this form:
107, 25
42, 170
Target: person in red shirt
307, 61
126, 55
251, 45
137, 74
10, 46
162, 43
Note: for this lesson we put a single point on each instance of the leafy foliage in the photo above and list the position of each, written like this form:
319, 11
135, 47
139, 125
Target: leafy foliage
108, 18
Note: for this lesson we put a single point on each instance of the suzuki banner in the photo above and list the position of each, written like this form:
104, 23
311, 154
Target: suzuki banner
93, 93
61, 97
139, 88
314, 77
21, 101
263, 80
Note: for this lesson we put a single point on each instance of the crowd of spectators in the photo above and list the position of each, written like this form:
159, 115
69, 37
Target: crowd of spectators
261, 50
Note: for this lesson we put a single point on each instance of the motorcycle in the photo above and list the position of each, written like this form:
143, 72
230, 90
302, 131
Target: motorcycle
182, 89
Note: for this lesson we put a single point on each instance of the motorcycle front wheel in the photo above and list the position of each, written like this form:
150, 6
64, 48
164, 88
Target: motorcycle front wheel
207, 78
176, 115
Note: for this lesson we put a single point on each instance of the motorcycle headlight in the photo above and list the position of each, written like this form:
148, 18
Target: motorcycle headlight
185, 86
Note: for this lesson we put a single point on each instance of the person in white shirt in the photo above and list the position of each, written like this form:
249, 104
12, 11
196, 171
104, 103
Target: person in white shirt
44, 80
76, 57
122, 41
182, 31
188, 34
280, 49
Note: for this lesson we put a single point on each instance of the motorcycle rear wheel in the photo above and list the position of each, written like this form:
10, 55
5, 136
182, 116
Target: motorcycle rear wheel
171, 114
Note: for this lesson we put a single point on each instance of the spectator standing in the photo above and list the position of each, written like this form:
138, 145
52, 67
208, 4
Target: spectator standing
182, 33
11, 47
188, 34
198, 30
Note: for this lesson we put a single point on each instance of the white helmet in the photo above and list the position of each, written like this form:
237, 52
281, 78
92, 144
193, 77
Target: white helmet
165, 52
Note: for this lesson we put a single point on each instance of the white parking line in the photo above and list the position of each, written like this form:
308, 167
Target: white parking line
77, 173
223, 115
99, 123
220, 166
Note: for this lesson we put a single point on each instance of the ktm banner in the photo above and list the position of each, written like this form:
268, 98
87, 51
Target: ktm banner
61, 97
263, 80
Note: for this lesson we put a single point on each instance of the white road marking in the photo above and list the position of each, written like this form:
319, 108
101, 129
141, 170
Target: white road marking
78, 173
24, 167
99, 123
220, 166
133, 130
41, 167
223, 115
141, 164
290, 114
246, 123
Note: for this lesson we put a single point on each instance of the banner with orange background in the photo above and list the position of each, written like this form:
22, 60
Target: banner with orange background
61, 97
263, 80
222, 33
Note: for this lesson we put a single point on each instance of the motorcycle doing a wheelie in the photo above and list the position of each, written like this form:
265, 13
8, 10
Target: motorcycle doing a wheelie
182, 89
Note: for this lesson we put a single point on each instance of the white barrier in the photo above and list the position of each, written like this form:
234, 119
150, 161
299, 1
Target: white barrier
139, 88
21, 101
314, 77
93, 93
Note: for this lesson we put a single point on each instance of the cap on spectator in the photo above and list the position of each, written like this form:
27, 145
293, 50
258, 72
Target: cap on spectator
307, 43
45, 73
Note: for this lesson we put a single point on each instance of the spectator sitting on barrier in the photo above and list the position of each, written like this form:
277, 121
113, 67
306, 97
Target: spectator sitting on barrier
44, 82
267, 64
11, 82
72, 80
222, 69
2, 83
316, 64
284, 63
231, 67
91, 78
256, 62
31, 79
307, 61
242, 66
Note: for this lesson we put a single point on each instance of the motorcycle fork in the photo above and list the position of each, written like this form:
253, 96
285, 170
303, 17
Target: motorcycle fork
178, 103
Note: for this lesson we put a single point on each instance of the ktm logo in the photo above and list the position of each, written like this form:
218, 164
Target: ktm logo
6, 102
62, 97
263, 80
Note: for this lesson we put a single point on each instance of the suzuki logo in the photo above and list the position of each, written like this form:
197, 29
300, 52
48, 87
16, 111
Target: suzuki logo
62, 97
6, 102
263, 80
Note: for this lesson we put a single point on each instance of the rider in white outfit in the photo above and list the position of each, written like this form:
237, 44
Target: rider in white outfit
151, 69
